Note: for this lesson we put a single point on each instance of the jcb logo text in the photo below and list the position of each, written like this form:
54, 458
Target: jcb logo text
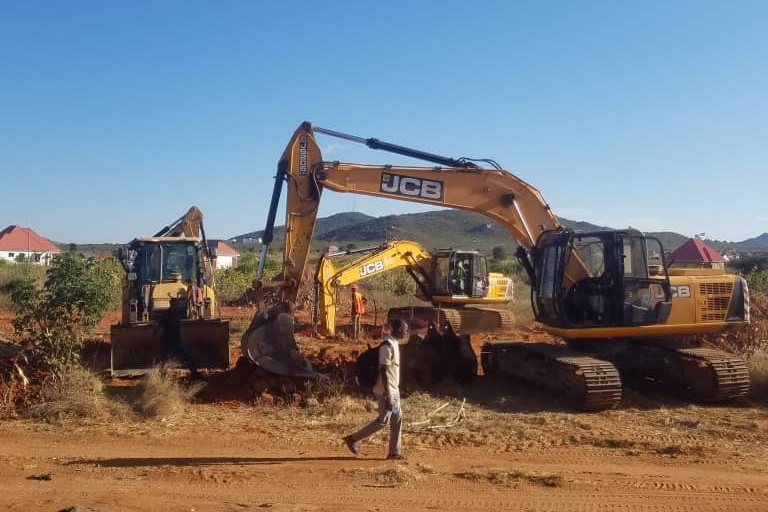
371, 268
411, 187
682, 291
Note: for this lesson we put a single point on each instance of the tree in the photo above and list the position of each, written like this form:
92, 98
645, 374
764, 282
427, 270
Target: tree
53, 320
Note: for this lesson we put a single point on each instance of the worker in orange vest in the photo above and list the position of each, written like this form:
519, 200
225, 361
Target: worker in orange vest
358, 310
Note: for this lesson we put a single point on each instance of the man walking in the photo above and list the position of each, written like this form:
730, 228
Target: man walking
358, 310
387, 394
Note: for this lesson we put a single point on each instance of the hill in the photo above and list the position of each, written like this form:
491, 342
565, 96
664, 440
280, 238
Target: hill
437, 229
758, 241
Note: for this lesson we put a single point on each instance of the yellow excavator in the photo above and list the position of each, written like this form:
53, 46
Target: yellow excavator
453, 280
168, 304
623, 314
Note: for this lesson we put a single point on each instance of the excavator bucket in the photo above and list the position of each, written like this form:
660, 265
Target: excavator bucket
270, 344
440, 355
136, 348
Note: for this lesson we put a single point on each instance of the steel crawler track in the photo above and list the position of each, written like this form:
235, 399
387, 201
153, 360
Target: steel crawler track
590, 384
463, 320
699, 374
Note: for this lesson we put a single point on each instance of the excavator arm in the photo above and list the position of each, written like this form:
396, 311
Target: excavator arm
454, 183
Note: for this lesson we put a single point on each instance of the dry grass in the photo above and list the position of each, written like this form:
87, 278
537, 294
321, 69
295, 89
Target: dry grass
161, 396
344, 405
391, 476
78, 395
511, 476
757, 362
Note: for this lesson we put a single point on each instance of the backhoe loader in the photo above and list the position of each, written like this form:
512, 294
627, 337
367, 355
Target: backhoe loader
169, 310
439, 280
608, 294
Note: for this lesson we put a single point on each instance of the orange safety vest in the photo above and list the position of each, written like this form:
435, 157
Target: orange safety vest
358, 303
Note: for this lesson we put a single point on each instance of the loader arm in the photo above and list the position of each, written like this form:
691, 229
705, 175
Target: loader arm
189, 225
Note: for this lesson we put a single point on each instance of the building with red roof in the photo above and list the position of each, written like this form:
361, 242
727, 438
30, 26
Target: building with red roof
226, 256
695, 253
19, 244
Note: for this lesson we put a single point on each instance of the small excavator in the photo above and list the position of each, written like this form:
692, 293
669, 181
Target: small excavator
452, 280
169, 310
620, 311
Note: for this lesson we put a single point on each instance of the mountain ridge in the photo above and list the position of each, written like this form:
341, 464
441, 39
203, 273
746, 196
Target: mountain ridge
466, 229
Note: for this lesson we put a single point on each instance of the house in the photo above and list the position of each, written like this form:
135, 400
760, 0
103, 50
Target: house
226, 256
24, 245
695, 253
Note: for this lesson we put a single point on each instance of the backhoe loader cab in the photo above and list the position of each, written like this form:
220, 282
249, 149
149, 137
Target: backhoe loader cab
624, 280
158, 266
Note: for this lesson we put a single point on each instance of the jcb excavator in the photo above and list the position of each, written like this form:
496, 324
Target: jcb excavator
169, 308
452, 280
608, 294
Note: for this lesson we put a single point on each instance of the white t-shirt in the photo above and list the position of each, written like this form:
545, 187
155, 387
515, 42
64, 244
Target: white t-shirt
389, 356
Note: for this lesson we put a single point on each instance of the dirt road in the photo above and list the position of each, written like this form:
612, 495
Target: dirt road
233, 457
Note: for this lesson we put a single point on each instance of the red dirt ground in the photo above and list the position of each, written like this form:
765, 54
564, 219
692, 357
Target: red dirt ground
516, 449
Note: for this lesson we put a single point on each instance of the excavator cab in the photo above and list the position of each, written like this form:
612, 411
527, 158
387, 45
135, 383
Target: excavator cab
459, 273
622, 279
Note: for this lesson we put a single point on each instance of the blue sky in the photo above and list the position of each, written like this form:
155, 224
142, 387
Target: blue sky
116, 116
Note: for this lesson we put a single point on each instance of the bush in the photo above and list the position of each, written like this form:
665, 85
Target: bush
52, 321
11, 274
757, 280
232, 282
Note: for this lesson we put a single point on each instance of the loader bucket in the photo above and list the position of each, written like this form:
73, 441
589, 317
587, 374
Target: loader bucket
136, 348
270, 344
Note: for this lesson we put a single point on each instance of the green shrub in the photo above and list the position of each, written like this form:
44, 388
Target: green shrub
757, 280
53, 319
13, 273
232, 282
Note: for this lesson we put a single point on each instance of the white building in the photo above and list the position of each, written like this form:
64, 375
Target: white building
24, 245
226, 256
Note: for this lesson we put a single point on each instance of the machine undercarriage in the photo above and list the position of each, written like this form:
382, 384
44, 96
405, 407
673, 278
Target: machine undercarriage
593, 379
